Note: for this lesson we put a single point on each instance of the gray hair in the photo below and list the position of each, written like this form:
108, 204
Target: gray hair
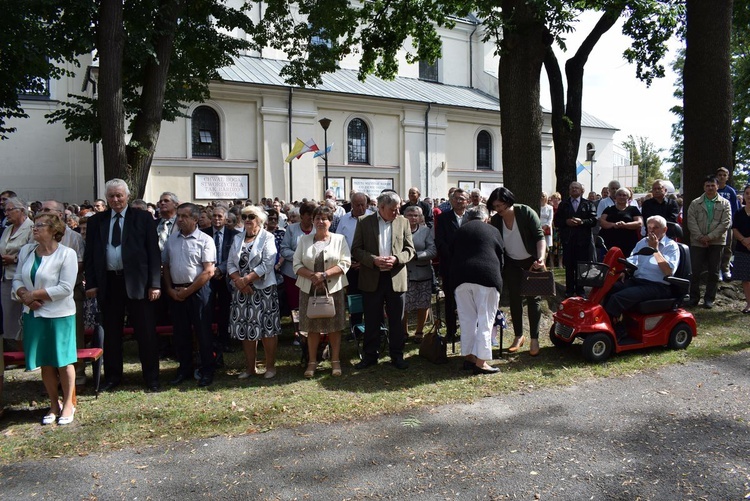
658, 220
17, 204
614, 184
258, 212
413, 208
139, 204
389, 199
478, 212
117, 183
175, 198
221, 208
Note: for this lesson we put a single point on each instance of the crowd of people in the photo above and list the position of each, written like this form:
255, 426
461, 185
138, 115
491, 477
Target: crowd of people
230, 271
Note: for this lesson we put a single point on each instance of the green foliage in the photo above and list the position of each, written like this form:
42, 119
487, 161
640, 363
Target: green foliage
202, 45
741, 105
35, 44
646, 157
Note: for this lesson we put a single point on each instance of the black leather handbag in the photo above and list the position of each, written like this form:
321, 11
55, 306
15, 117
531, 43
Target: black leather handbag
537, 283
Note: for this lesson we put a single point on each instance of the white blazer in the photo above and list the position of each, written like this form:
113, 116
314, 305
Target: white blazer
335, 254
262, 258
56, 275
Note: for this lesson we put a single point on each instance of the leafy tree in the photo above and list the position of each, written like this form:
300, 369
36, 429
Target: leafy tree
155, 56
649, 24
707, 91
35, 44
740, 68
647, 157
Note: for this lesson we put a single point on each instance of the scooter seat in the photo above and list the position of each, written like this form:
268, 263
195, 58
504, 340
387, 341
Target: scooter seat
656, 306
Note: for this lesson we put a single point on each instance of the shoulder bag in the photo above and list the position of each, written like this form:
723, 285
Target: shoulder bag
320, 306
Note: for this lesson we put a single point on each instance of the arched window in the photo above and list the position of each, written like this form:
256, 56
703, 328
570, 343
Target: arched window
590, 152
206, 133
484, 151
358, 139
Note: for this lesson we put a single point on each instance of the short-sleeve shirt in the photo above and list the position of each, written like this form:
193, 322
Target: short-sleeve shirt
185, 255
648, 267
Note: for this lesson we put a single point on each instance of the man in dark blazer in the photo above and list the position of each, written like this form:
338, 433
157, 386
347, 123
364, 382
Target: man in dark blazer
446, 225
122, 265
383, 245
575, 219
223, 238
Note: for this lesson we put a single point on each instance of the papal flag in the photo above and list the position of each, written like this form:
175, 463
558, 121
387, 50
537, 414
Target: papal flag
300, 148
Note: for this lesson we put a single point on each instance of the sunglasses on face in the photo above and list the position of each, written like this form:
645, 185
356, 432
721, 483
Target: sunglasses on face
248, 217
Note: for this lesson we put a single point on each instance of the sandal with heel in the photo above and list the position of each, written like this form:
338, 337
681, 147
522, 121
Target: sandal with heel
310, 371
335, 368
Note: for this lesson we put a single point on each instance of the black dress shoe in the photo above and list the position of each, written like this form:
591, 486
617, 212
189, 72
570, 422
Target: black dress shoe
109, 386
205, 381
708, 304
365, 363
153, 387
482, 370
179, 379
400, 364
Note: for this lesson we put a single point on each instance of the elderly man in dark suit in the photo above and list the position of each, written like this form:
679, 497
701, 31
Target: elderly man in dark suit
575, 219
122, 265
383, 245
446, 225
220, 296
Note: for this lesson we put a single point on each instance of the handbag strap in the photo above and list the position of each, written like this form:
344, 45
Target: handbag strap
325, 285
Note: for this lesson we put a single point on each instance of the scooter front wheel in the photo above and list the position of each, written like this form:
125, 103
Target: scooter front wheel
597, 347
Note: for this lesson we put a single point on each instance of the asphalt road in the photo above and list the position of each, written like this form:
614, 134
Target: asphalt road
682, 432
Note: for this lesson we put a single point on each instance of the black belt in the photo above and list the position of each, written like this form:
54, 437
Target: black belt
117, 273
182, 285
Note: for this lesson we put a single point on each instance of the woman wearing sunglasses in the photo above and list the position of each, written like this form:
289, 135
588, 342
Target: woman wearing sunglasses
254, 313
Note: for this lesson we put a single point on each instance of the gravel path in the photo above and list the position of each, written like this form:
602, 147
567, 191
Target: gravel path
681, 432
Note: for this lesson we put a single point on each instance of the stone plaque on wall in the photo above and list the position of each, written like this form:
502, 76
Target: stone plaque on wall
220, 186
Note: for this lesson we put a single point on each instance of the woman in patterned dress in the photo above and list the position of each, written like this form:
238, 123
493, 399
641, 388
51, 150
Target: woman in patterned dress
321, 261
254, 313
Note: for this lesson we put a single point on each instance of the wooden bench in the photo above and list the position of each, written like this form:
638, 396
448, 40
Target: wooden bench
92, 355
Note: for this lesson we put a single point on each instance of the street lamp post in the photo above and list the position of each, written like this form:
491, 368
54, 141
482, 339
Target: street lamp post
591, 152
325, 123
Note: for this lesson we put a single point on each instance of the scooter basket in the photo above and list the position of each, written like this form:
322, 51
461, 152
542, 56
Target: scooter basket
592, 274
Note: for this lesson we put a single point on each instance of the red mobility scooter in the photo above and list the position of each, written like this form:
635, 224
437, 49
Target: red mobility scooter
653, 322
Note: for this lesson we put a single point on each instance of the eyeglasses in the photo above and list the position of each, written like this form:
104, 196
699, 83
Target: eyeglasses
8, 209
248, 217
165, 201
41, 225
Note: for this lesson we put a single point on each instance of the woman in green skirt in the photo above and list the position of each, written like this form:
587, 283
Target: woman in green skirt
44, 281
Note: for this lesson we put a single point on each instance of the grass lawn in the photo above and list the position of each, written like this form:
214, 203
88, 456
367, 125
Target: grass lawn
230, 407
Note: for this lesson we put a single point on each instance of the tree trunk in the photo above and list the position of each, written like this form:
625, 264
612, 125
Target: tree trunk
707, 93
522, 50
566, 127
111, 34
147, 123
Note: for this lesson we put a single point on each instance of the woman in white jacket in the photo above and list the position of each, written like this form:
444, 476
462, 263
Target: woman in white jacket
254, 313
43, 282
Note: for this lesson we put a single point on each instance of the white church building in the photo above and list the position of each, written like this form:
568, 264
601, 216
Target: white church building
433, 126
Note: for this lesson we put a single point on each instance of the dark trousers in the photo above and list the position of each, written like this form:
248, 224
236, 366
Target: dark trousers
394, 308
706, 259
573, 252
352, 276
141, 318
512, 281
451, 319
188, 316
221, 300
625, 295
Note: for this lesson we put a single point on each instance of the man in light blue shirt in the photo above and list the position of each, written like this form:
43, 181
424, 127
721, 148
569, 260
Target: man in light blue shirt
648, 280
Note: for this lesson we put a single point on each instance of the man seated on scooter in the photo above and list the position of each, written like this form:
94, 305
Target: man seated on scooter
648, 280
